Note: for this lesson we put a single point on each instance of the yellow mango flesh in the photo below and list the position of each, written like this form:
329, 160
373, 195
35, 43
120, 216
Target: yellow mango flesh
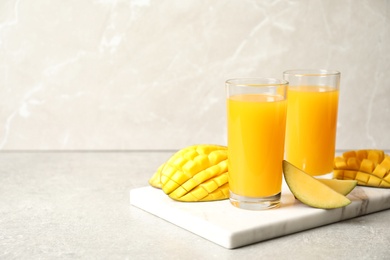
310, 190
367, 167
195, 173
155, 179
343, 187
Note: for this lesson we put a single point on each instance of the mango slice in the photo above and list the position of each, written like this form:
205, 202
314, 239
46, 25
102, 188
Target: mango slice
195, 173
310, 190
343, 187
367, 167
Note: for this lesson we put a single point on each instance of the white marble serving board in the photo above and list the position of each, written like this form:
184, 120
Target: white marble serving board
230, 227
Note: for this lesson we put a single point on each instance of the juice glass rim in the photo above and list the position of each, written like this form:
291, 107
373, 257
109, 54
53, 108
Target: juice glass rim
256, 82
311, 72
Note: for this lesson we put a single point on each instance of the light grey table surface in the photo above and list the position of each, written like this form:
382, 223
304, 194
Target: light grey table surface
75, 205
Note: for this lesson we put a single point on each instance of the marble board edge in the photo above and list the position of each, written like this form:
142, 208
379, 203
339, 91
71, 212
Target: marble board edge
364, 201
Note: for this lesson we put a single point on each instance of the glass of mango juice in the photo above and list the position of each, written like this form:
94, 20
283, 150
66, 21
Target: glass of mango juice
312, 119
256, 121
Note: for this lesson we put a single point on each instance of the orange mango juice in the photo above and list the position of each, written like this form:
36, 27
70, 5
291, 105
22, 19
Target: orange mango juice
311, 128
256, 132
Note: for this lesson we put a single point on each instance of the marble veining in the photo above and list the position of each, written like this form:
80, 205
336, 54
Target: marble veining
144, 74
362, 196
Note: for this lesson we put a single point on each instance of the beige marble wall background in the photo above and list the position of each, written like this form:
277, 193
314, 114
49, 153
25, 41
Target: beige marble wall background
149, 74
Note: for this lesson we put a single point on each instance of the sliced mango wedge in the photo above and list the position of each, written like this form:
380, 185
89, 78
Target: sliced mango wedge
310, 190
343, 187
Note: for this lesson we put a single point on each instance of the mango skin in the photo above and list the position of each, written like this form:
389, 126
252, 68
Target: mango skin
368, 167
195, 173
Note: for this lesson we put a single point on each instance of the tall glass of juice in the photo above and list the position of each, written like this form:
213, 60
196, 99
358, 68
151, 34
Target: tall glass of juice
256, 116
312, 119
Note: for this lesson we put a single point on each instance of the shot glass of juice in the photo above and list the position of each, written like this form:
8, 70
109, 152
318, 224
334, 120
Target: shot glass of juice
256, 121
312, 119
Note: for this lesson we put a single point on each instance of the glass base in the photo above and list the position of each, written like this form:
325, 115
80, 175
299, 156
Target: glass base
255, 203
